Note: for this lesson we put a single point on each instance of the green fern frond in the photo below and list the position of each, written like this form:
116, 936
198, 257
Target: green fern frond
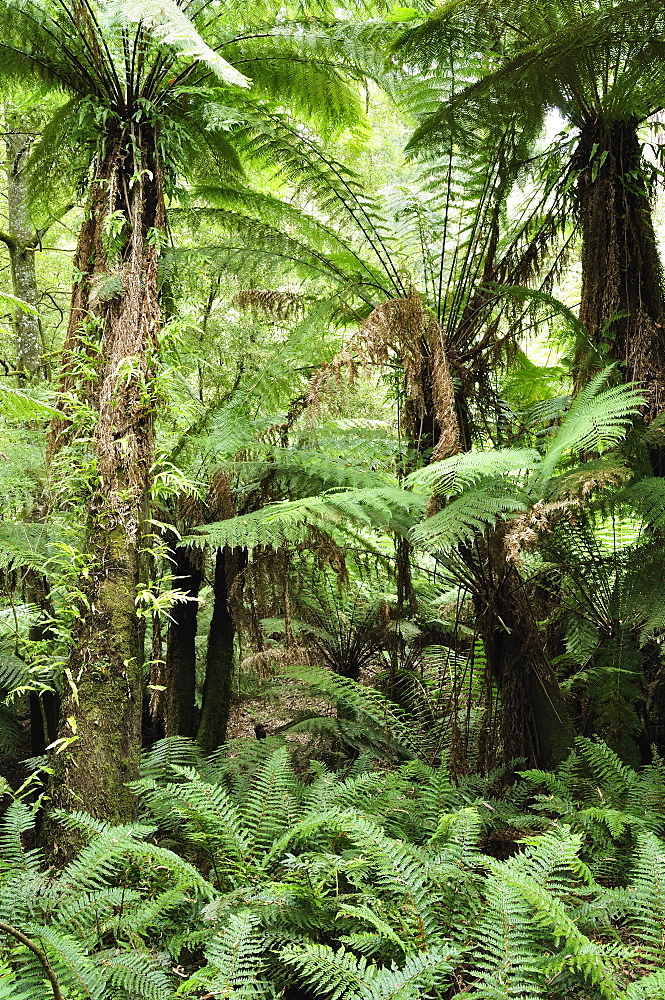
478, 508
454, 474
592, 960
203, 813
337, 974
170, 26
18, 820
458, 834
10, 988
597, 419
289, 521
134, 975
84, 913
615, 777
646, 917
372, 708
235, 959
20, 405
268, 805
74, 969
96, 866
651, 987
176, 751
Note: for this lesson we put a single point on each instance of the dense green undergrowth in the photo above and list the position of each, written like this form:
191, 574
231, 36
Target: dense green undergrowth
247, 877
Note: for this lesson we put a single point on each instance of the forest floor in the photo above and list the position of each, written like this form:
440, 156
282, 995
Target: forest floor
273, 703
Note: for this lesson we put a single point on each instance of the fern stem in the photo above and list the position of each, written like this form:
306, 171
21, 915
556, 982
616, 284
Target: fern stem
46, 965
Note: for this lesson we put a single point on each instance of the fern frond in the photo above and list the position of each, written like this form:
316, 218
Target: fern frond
18, 819
452, 475
289, 520
646, 917
597, 419
10, 986
171, 26
475, 510
267, 806
134, 975
337, 974
20, 405
651, 987
203, 813
73, 967
607, 768
235, 958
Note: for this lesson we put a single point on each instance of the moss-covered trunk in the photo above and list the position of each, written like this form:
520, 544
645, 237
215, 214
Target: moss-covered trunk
181, 644
112, 332
216, 705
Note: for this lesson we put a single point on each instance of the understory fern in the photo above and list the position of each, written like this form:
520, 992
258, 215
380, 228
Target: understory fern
247, 876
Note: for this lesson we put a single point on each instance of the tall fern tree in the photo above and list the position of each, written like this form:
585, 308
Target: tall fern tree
144, 91
600, 64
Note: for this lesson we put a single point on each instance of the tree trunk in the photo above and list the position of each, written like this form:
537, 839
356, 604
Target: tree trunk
216, 705
535, 723
44, 707
181, 646
622, 304
21, 241
113, 328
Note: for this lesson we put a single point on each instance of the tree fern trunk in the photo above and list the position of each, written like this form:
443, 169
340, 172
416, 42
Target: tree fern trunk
535, 722
622, 304
181, 645
21, 241
216, 705
114, 322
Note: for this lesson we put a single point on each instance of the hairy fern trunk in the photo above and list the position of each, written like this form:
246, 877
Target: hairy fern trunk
535, 722
21, 241
115, 318
216, 704
181, 644
622, 304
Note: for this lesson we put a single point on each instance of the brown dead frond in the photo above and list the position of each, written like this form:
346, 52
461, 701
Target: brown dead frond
265, 663
276, 305
524, 531
192, 511
330, 380
406, 328
221, 499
